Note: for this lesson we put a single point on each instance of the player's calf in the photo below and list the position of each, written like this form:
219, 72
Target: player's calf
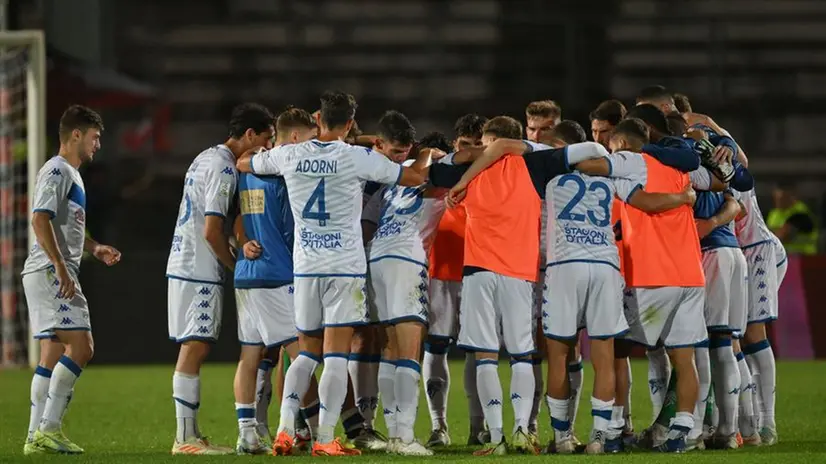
558, 397
436, 376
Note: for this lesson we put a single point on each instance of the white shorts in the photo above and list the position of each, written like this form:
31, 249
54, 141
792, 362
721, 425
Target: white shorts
762, 288
194, 310
47, 312
330, 302
266, 316
540, 288
445, 299
492, 302
726, 289
782, 263
671, 314
583, 295
401, 290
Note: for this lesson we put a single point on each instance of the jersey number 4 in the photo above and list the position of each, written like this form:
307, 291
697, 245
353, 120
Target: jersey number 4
316, 207
567, 213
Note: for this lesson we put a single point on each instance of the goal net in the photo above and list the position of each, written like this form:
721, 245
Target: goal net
22, 152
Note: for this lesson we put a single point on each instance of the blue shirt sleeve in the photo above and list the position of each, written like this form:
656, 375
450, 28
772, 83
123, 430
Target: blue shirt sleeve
675, 153
743, 180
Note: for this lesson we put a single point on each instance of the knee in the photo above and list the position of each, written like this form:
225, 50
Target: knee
81, 352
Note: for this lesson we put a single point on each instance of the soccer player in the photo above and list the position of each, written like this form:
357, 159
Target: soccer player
197, 260
503, 206
658, 96
263, 281
603, 120
393, 139
403, 222
58, 311
325, 178
541, 116
446, 259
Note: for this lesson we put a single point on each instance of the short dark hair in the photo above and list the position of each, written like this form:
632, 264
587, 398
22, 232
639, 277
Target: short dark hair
249, 116
682, 103
610, 110
293, 118
676, 123
337, 108
394, 127
650, 115
436, 140
543, 109
78, 117
569, 131
470, 125
655, 93
632, 128
503, 127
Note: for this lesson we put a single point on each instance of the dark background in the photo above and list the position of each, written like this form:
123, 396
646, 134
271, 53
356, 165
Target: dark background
758, 67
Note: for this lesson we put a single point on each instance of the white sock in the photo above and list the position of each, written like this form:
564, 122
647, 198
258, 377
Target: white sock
364, 372
761, 360
726, 378
560, 422
602, 412
539, 384
681, 424
39, 393
522, 391
617, 424
437, 384
490, 396
575, 379
408, 374
701, 358
186, 391
387, 388
332, 388
263, 394
477, 415
246, 421
747, 422
296, 383
63, 380
626, 413
659, 371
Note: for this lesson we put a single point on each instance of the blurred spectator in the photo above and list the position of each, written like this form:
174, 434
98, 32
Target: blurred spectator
793, 222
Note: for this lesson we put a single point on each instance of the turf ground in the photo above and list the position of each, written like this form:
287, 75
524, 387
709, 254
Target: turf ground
125, 415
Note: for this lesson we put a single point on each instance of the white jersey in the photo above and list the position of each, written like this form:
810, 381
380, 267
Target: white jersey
60, 193
579, 207
407, 222
325, 181
751, 229
209, 189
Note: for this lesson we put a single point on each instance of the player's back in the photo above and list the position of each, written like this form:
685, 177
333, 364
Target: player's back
267, 218
211, 175
503, 209
661, 250
60, 193
325, 181
751, 228
579, 208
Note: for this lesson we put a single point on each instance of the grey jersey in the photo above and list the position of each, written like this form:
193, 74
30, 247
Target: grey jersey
60, 193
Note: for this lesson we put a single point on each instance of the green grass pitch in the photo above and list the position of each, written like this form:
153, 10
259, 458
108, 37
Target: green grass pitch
126, 415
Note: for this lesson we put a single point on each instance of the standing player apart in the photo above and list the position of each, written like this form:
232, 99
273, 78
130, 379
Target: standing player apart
58, 312
197, 261
325, 179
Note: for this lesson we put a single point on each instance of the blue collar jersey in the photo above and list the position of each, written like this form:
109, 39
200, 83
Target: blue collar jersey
267, 218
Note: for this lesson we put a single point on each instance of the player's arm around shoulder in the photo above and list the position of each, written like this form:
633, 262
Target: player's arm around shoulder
654, 203
258, 160
727, 213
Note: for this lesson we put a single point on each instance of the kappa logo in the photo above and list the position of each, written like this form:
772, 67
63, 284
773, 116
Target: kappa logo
205, 291
760, 272
66, 321
494, 402
203, 304
63, 308
204, 317
55, 172
228, 170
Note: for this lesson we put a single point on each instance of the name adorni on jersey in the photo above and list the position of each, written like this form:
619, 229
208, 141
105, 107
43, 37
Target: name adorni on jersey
317, 166
583, 236
310, 239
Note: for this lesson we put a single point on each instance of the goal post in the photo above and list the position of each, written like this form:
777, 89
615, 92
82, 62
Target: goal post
22, 153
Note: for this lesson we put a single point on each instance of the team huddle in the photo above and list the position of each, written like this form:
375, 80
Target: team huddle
375, 254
